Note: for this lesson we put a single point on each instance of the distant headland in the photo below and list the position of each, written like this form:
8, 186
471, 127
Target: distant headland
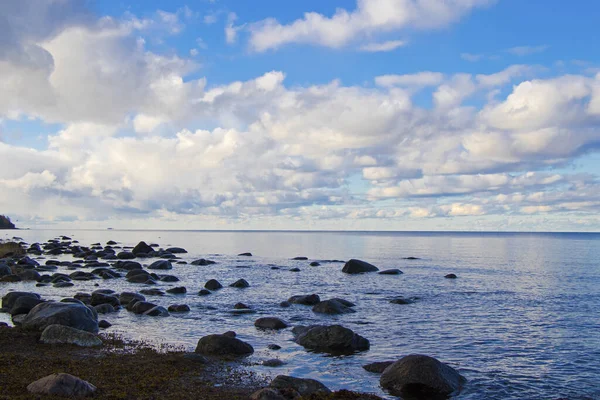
5, 223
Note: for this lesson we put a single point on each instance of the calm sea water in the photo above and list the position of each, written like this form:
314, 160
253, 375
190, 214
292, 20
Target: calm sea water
522, 321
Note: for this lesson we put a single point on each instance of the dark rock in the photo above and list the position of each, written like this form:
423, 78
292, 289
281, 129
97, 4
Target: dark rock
125, 255
421, 376
241, 306
74, 315
285, 304
111, 243
213, 284
390, 272
101, 298
402, 300
300, 258
267, 394
157, 311
9, 299
62, 385
377, 367
176, 250
197, 358
85, 298
104, 324
60, 334
29, 275
169, 278
245, 254
128, 265
274, 347
63, 284
161, 264
273, 362
240, 284
270, 323
358, 267
10, 278
450, 276
203, 262
179, 308
275, 268
142, 247
222, 345
141, 307
305, 387
307, 300
204, 292
177, 290
411, 258
152, 292
334, 339
294, 269
127, 297
315, 264
24, 304
332, 306
104, 308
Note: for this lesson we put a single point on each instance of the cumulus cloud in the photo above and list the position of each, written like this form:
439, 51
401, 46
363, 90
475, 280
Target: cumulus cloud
368, 18
383, 46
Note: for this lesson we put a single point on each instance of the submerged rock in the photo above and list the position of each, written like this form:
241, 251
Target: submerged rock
213, 284
394, 271
308, 300
421, 376
450, 276
240, 284
377, 367
334, 339
333, 306
270, 323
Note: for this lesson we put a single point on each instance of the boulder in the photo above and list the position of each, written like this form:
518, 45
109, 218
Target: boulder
60, 334
270, 323
141, 307
152, 292
9, 299
332, 306
204, 292
24, 304
157, 311
177, 290
176, 250
223, 345
334, 339
169, 278
274, 347
104, 324
161, 264
104, 308
403, 300
267, 394
127, 297
451, 276
142, 248
240, 284
307, 300
74, 315
315, 264
101, 298
245, 254
377, 367
213, 284
358, 267
273, 362
421, 376
125, 255
305, 387
179, 308
203, 262
62, 385
29, 275
394, 271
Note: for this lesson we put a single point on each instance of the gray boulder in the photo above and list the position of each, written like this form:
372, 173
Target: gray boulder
8, 301
223, 346
161, 264
270, 323
60, 334
157, 311
358, 267
305, 387
74, 315
62, 385
333, 306
267, 394
333, 339
24, 304
307, 300
141, 307
142, 248
126, 297
421, 376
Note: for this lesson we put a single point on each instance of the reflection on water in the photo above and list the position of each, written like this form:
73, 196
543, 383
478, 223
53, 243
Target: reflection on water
520, 322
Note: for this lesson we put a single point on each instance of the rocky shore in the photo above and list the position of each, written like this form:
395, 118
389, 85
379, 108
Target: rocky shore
59, 347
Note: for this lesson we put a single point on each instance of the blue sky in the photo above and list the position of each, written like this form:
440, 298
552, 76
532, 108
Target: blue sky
368, 114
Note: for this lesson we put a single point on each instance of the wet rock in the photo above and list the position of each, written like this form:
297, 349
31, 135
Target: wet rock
377, 367
275, 268
315, 264
294, 269
161, 264
241, 311
62, 385
197, 358
274, 347
305, 387
29, 275
241, 306
270, 323
125, 255
111, 243
10, 279
451, 276
74, 315
354, 266
9, 299
104, 324
24, 304
63, 284
127, 297
157, 311
101, 298
176, 250
285, 304
300, 258
17, 320
152, 292
223, 345
267, 394
307, 300
60, 334
169, 278
240, 284
273, 362
410, 258
104, 309
142, 248
179, 308
213, 284
334, 339
421, 376
177, 290
403, 300
245, 254
203, 262
141, 307
204, 292
128, 265
332, 306
394, 271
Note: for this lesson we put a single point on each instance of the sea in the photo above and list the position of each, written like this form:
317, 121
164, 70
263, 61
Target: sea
521, 321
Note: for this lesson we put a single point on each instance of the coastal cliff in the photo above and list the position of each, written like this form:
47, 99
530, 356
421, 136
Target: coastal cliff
5, 223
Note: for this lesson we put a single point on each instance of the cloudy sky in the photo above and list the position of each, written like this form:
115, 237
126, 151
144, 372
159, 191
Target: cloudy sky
270, 114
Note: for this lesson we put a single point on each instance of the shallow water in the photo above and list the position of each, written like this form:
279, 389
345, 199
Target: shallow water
520, 322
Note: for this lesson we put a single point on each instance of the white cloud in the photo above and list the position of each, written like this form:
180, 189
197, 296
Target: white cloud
527, 50
383, 46
370, 17
420, 79
231, 30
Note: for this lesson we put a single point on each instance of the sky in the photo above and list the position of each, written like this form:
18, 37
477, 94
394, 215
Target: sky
478, 115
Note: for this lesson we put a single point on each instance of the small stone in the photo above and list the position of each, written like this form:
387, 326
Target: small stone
274, 347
